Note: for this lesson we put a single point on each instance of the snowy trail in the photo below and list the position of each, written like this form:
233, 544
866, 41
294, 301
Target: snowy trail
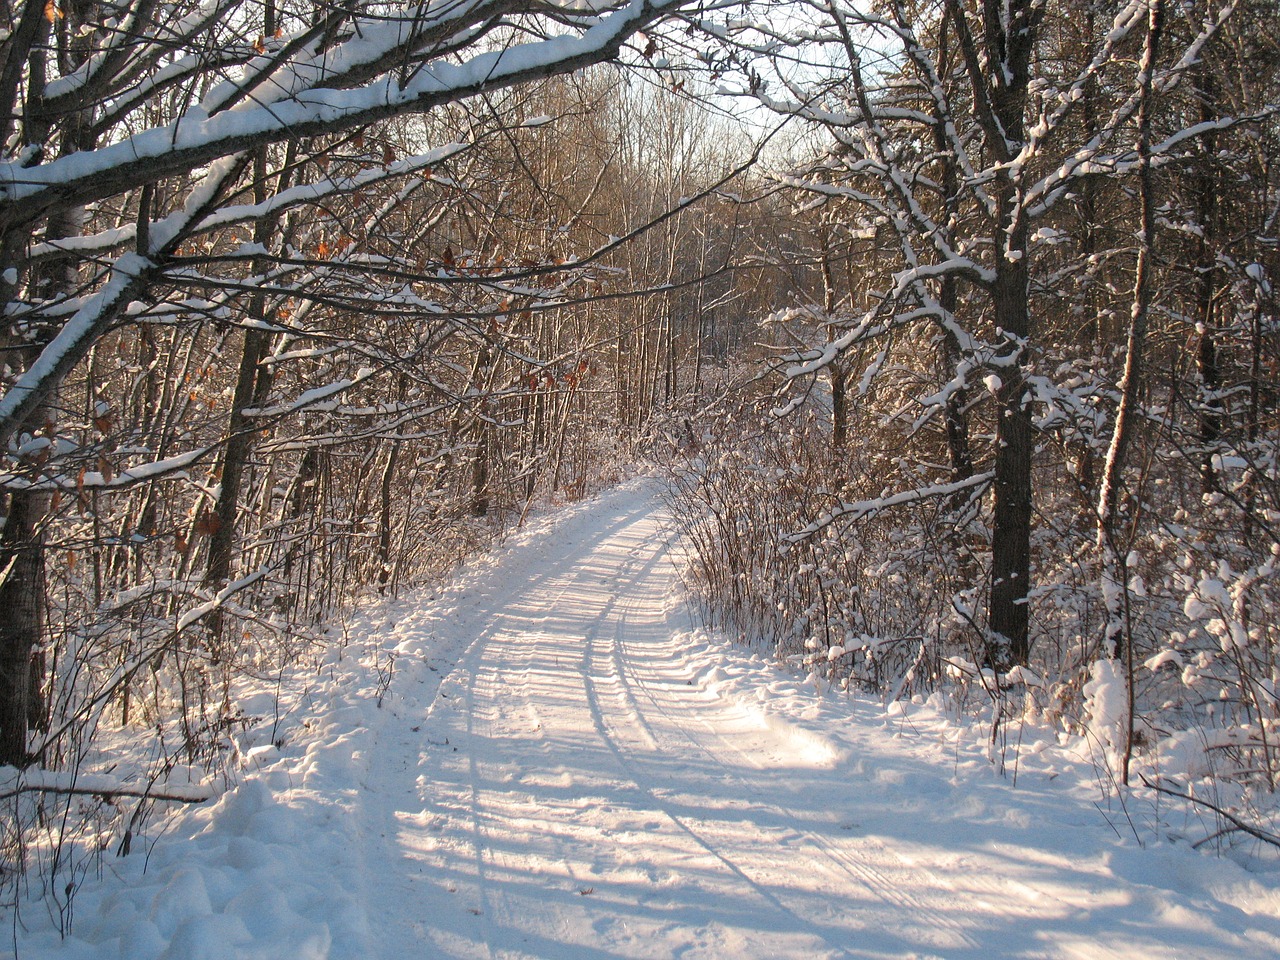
581, 786
558, 768
599, 803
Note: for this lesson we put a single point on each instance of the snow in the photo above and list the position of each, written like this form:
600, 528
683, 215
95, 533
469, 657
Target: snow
72, 337
206, 133
1106, 706
548, 760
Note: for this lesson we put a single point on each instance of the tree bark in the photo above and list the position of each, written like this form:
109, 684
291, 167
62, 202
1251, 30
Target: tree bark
22, 624
1209, 411
1010, 30
22, 541
1008, 614
253, 382
1118, 643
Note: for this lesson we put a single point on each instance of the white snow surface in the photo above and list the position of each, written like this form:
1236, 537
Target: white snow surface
562, 768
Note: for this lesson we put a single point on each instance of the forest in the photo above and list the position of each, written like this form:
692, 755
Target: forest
951, 327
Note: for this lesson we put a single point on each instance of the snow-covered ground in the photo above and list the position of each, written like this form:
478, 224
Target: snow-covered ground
545, 760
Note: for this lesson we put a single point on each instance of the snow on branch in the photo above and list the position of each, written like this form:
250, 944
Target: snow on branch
324, 106
862, 509
14, 782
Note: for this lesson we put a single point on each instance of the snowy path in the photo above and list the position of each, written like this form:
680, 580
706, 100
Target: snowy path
557, 768
580, 787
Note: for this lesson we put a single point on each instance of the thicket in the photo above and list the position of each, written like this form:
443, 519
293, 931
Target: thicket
1032, 267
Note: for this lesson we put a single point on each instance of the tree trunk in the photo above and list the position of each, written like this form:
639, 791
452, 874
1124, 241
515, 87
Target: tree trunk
837, 372
1010, 31
955, 420
252, 383
385, 563
1209, 412
22, 541
1008, 616
1118, 643
22, 624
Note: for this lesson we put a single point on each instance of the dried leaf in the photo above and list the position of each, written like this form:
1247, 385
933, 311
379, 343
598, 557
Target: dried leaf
207, 524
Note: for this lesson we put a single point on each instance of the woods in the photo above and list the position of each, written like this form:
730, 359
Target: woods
952, 325
1056, 358
303, 303
211, 263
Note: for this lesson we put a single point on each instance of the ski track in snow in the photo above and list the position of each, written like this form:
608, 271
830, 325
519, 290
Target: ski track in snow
584, 792
561, 769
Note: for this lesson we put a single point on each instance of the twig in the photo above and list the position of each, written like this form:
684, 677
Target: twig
143, 792
1231, 818
47, 781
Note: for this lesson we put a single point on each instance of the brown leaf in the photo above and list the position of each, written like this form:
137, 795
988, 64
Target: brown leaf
207, 524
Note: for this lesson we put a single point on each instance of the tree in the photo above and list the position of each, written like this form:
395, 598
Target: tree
953, 136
